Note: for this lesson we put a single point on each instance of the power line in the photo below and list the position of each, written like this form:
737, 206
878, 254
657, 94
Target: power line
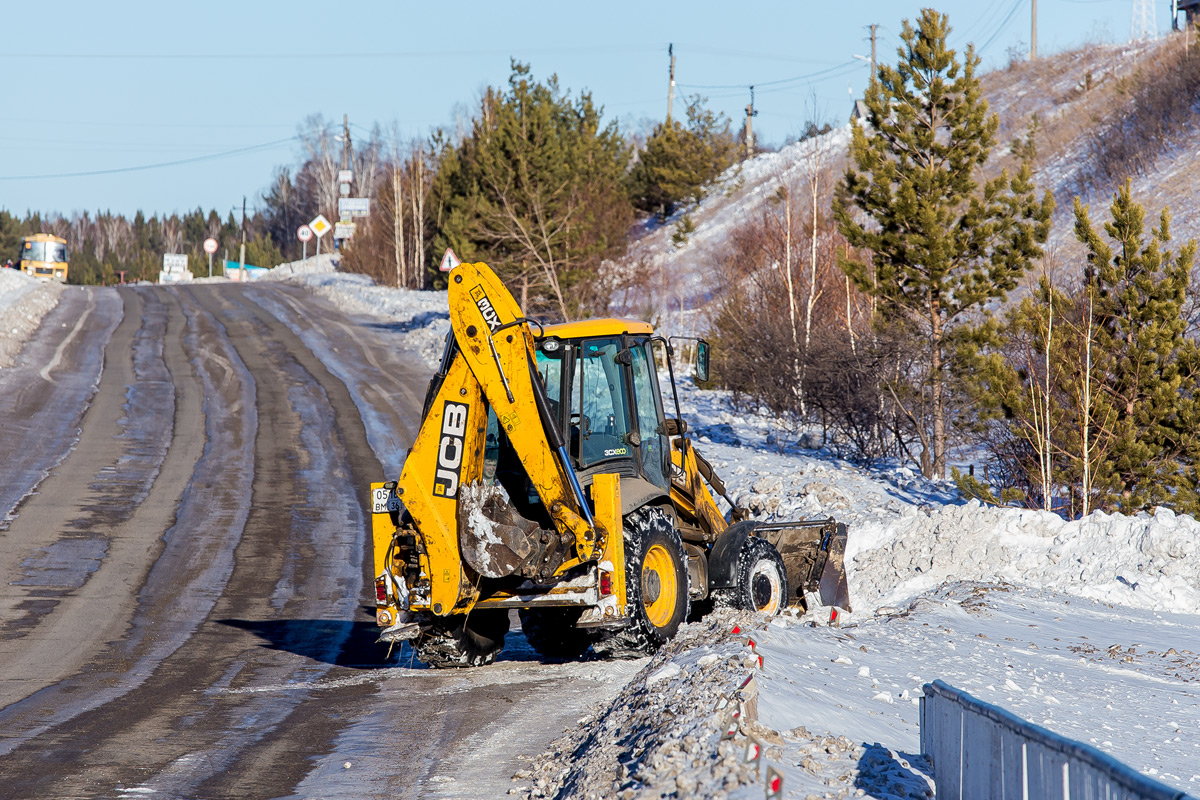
778, 82
142, 167
297, 56
1016, 6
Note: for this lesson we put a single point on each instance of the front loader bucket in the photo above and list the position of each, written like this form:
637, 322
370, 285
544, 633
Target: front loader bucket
813, 555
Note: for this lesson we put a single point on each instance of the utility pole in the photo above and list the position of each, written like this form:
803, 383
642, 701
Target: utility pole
1033, 34
873, 28
242, 255
347, 149
671, 85
749, 132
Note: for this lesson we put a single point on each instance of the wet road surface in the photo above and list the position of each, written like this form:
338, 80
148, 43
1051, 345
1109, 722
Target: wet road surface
184, 569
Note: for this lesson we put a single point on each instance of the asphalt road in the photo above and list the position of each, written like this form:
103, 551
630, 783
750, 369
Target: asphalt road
185, 570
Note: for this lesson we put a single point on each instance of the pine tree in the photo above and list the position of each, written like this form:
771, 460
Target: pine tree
941, 245
680, 160
537, 189
1152, 380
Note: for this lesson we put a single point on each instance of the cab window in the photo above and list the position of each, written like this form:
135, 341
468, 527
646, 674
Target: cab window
648, 403
598, 404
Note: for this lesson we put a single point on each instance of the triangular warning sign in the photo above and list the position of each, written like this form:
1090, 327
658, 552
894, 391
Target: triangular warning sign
449, 261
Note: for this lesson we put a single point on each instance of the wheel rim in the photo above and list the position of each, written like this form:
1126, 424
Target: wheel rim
765, 587
658, 573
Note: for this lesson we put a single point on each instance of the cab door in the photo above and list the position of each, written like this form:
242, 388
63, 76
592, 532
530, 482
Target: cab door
599, 422
648, 411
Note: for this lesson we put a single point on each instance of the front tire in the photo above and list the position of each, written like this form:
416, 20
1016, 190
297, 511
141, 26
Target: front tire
463, 640
761, 580
656, 585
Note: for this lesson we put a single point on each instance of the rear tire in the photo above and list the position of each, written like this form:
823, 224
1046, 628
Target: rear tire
552, 632
761, 580
656, 585
463, 640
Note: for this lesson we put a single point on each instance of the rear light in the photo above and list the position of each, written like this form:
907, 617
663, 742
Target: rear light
381, 591
606, 587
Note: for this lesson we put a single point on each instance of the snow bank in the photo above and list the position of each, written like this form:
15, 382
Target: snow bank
423, 316
322, 264
1143, 561
24, 300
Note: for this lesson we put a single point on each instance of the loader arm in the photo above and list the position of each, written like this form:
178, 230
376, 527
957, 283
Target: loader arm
690, 495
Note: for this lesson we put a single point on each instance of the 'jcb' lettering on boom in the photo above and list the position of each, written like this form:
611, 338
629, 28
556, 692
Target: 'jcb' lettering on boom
450, 450
485, 307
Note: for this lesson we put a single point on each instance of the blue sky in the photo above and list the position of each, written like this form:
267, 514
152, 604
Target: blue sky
114, 86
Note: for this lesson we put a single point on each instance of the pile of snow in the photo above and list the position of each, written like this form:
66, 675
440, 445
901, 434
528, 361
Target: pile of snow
24, 300
324, 263
662, 731
1144, 561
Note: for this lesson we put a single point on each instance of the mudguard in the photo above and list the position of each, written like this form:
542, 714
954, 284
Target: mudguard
722, 559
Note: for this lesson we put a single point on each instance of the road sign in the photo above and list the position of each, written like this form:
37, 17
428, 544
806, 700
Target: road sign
349, 207
210, 246
175, 268
344, 230
320, 226
304, 233
449, 261
345, 175
174, 262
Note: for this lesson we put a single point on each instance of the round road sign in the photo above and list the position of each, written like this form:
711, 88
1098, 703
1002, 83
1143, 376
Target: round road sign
210, 246
304, 233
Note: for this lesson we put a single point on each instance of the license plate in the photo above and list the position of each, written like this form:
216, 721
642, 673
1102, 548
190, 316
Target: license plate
384, 501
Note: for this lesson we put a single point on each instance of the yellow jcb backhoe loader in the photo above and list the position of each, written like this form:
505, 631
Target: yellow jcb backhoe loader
546, 478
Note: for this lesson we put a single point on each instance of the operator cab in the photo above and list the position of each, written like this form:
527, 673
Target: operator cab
604, 394
608, 398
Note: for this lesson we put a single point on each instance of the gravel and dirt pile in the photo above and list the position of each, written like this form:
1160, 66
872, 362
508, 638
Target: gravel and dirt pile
662, 736
23, 303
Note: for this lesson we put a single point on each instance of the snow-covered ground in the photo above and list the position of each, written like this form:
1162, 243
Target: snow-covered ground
1090, 628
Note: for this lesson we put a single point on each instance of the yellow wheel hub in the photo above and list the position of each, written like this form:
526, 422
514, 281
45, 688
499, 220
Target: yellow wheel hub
660, 589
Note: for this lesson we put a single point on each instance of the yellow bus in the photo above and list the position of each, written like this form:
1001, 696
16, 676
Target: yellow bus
44, 255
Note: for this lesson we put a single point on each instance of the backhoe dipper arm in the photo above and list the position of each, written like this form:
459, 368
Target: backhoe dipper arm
491, 359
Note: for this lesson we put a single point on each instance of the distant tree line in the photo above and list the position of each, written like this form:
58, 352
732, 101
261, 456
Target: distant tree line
103, 245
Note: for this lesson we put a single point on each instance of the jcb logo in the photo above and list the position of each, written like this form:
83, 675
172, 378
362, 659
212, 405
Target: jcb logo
450, 450
485, 307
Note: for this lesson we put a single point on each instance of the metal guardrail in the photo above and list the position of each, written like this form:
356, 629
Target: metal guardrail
981, 751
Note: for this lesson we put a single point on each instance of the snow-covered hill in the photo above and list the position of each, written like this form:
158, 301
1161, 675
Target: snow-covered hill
1078, 98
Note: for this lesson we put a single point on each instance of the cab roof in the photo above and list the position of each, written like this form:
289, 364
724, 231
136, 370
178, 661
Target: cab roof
589, 328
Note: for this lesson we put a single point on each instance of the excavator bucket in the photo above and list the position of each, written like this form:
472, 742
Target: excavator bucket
813, 555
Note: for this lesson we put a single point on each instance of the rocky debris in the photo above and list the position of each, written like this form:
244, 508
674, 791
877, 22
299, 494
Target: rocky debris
661, 736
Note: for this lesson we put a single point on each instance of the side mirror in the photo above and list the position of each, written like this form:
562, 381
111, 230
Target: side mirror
672, 426
701, 360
